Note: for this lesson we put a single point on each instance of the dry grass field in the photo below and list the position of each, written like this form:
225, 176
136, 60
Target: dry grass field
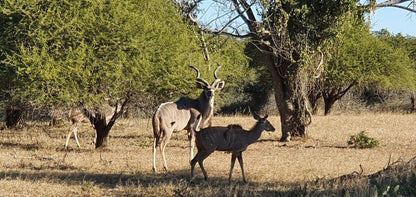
33, 161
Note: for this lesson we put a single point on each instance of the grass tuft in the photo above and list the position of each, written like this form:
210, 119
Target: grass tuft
362, 140
33, 161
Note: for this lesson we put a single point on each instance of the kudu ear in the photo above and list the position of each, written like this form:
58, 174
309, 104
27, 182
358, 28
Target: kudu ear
199, 85
220, 85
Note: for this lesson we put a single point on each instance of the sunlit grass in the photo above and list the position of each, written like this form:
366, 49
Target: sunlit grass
33, 160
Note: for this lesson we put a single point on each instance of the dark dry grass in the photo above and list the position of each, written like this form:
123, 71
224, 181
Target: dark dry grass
34, 163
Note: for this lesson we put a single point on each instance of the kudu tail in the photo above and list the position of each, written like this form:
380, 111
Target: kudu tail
156, 128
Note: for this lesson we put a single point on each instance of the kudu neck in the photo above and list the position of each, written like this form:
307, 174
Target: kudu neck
256, 131
206, 105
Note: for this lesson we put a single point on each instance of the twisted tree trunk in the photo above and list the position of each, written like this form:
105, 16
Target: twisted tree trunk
294, 115
98, 118
102, 129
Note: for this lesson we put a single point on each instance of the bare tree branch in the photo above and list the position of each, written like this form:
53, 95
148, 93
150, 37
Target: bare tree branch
401, 7
231, 34
187, 9
391, 2
118, 112
228, 23
240, 12
395, 3
251, 20
247, 7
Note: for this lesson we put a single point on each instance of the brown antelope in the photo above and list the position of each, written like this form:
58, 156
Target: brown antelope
232, 138
77, 117
181, 114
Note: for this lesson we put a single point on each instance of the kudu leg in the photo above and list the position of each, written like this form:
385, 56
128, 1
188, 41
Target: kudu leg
201, 159
76, 137
240, 160
163, 144
200, 156
154, 154
162, 152
193, 162
191, 144
68, 137
191, 132
233, 157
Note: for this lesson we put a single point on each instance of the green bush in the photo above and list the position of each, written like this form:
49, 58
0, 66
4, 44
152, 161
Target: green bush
362, 140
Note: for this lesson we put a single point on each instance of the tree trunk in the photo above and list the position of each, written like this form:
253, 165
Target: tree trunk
102, 130
329, 102
292, 114
292, 125
98, 117
101, 126
13, 116
333, 94
314, 97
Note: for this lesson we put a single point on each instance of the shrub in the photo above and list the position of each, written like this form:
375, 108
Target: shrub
362, 140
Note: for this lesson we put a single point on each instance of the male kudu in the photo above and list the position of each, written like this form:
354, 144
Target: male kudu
181, 114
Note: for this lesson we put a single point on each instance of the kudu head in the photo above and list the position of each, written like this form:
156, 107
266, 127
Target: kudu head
264, 122
209, 90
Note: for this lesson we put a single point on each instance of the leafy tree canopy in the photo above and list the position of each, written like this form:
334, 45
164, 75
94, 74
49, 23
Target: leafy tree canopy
356, 55
70, 51
64, 52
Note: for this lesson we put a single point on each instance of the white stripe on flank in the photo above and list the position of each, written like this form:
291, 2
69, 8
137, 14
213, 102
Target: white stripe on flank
163, 104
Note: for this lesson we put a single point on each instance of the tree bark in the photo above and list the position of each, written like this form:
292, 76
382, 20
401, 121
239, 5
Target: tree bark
332, 94
292, 118
13, 116
102, 128
328, 103
291, 113
314, 97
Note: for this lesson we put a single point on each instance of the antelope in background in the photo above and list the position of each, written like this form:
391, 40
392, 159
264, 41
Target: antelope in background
232, 138
77, 117
181, 114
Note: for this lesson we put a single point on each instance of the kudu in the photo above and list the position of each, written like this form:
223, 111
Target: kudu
77, 117
180, 115
232, 138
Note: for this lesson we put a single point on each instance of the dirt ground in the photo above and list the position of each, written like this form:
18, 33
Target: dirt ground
33, 161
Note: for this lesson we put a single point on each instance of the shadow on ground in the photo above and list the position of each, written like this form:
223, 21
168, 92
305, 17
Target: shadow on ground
179, 179
22, 146
397, 179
